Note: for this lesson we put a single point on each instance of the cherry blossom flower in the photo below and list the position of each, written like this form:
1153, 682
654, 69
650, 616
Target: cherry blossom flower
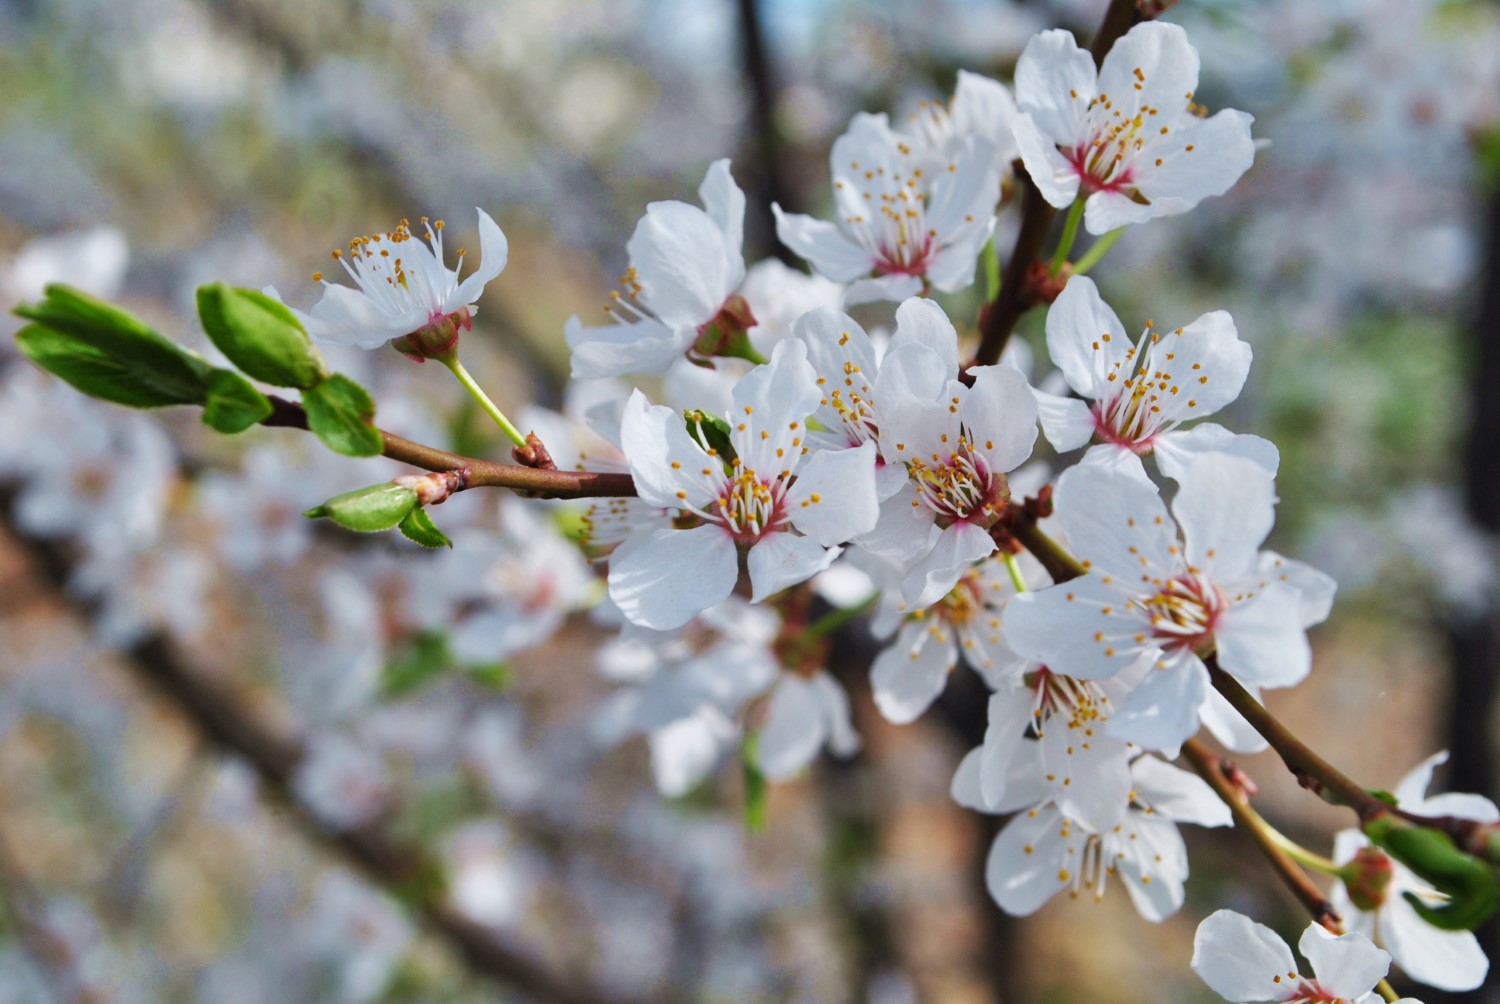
1043, 851
902, 226
1178, 600
685, 265
1448, 960
804, 714
1247, 962
955, 442
979, 107
909, 674
1128, 138
402, 287
662, 577
846, 362
1136, 395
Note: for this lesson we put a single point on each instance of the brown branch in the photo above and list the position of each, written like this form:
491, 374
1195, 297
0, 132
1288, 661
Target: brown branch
478, 473
1000, 316
403, 870
1218, 772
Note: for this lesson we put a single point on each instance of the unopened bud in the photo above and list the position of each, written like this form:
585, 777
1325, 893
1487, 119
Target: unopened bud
728, 333
1040, 286
437, 339
1368, 878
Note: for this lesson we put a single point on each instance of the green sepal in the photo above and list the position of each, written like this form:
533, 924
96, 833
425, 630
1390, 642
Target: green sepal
340, 412
233, 404
1469, 883
368, 510
715, 432
259, 335
418, 526
132, 364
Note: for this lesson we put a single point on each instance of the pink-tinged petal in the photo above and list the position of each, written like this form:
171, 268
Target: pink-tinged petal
1226, 507
1241, 960
1221, 151
1228, 726
921, 321
686, 751
1261, 642
965, 788
1055, 81
882, 289
1080, 628
1448, 960
957, 547
1110, 210
1315, 587
725, 205
1347, 966
610, 350
904, 531
910, 674
682, 263
1154, 873
1179, 795
494, 252
1025, 865
1204, 365
653, 437
1000, 411
824, 245
1052, 173
833, 499
780, 560
1116, 523
662, 579
1162, 713
1176, 450
1152, 66
1085, 338
1009, 716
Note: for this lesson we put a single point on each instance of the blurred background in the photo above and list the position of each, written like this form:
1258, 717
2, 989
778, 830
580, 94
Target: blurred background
235, 763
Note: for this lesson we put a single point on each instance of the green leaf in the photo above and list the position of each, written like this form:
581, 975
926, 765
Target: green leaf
260, 336
495, 675
715, 432
368, 510
233, 404
426, 658
418, 526
340, 413
91, 371
148, 366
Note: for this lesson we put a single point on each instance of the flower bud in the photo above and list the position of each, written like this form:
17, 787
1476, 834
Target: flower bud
728, 333
437, 339
1367, 878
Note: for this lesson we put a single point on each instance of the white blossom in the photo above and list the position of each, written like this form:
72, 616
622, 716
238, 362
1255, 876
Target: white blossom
1248, 963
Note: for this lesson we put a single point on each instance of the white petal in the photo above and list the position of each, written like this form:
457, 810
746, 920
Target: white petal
843, 741
1085, 338
1261, 641
663, 578
965, 788
652, 437
1162, 712
999, 411
494, 252
1117, 523
1222, 151
1204, 363
824, 245
1066, 626
1110, 210
784, 390
1024, 867
1155, 868
1176, 450
1089, 775
1348, 966
1052, 173
684, 752
1055, 82
1228, 726
1179, 795
968, 192
345, 316
930, 578
884, 288
1448, 960
682, 263
921, 321
985, 107
794, 729
781, 559
904, 531
725, 205
645, 346
1241, 960
1153, 65
910, 674
1226, 507
834, 497
1009, 716
1316, 589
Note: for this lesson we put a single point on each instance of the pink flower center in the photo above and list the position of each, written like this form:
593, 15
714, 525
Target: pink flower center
749, 506
1184, 614
961, 488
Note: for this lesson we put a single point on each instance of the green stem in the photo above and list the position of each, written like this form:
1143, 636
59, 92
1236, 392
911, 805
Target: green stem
1387, 991
1014, 568
1069, 235
837, 618
457, 369
989, 263
1296, 851
1096, 251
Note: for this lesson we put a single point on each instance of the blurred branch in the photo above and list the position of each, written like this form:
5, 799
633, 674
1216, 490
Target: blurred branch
999, 317
770, 184
404, 871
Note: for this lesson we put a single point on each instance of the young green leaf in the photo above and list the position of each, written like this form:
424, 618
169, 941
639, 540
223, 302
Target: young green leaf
713, 429
92, 371
418, 526
147, 366
233, 404
340, 413
368, 510
260, 336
